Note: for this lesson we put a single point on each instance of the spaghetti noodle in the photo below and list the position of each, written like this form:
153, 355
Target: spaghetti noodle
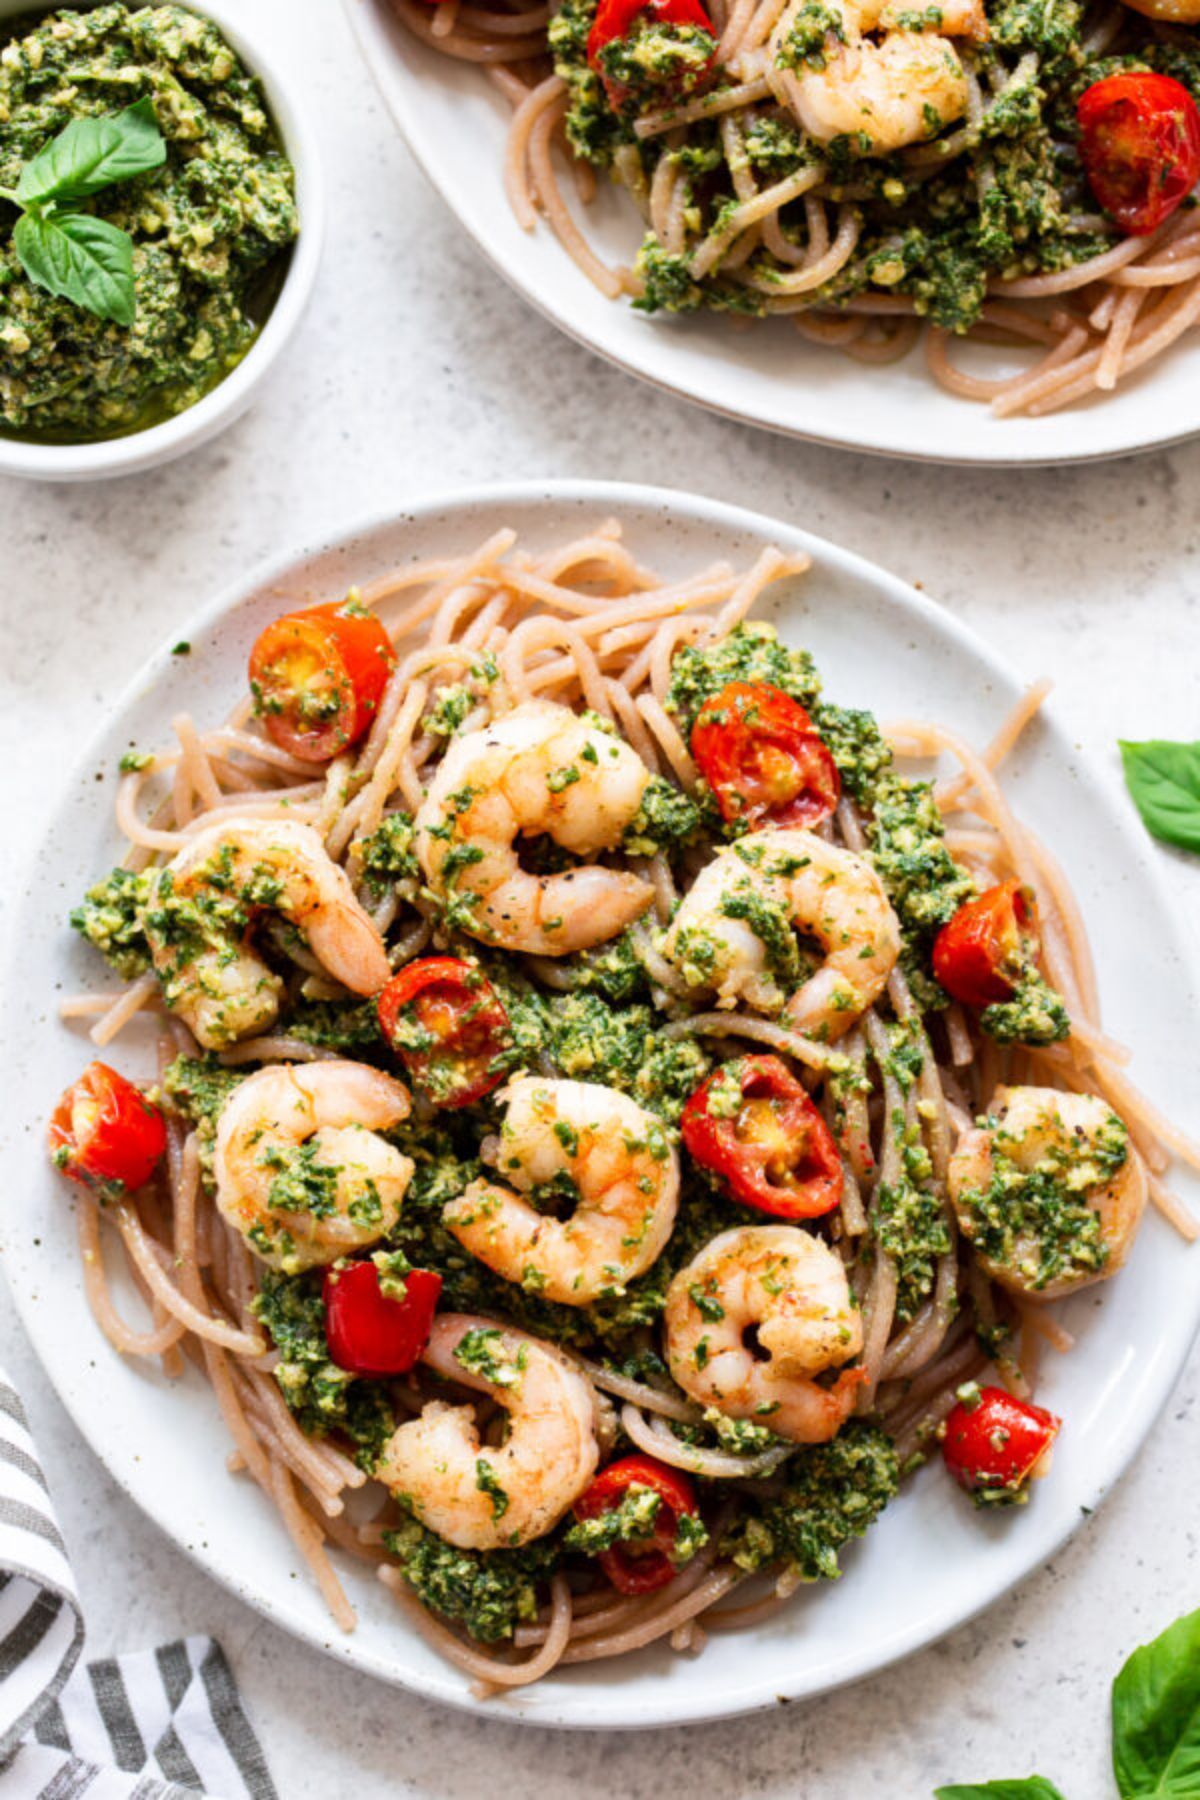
586, 624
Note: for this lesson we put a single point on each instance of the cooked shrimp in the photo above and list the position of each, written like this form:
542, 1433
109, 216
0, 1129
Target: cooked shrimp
205, 901
1049, 1190
538, 771
595, 1147
882, 93
299, 1166
733, 936
792, 1290
485, 1497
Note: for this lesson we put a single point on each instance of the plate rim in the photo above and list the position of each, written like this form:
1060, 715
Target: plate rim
366, 27
574, 1712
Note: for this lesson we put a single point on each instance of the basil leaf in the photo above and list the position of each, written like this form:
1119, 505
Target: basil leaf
1034, 1787
83, 259
1156, 1717
90, 154
1164, 780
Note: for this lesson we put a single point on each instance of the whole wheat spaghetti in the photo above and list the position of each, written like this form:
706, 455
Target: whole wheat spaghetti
746, 1498
983, 233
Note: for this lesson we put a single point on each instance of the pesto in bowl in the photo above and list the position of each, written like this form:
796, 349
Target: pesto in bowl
211, 228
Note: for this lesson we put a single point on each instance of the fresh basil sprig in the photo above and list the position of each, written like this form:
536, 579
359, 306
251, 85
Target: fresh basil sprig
1034, 1787
1164, 780
90, 154
74, 254
84, 259
1155, 1727
1156, 1717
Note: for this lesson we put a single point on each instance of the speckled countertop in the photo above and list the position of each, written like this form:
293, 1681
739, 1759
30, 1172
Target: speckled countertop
415, 370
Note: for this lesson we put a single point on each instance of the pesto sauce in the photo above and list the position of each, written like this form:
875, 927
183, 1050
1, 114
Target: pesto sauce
751, 652
351, 1027
832, 1494
614, 971
198, 1087
110, 918
666, 820
481, 1352
488, 1592
655, 58
922, 880
593, 129
632, 1518
909, 1223
1034, 1014
211, 229
323, 1397
387, 856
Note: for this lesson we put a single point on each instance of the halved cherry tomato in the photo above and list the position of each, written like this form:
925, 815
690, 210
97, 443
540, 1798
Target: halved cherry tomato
763, 758
371, 1333
773, 1149
993, 1443
317, 678
106, 1134
637, 1567
980, 956
615, 19
1139, 137
442, 1018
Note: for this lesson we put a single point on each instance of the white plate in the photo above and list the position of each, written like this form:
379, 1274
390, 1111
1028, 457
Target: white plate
454, 122
932, 1561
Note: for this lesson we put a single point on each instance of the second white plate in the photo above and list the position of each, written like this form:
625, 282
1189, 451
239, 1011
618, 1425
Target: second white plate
454, 122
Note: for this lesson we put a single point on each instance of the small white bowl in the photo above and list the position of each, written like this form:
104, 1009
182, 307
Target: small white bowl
230, 398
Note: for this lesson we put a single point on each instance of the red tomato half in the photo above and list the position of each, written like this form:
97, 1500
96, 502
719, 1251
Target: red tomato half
774, 1151
615, 19
637, 1568
370, 1333
993, 1444
766, 764
317, 678
981, 954
105, 1133
1139, 137
443, 1019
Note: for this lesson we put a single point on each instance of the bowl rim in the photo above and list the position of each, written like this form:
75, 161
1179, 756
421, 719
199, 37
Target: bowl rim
197, 424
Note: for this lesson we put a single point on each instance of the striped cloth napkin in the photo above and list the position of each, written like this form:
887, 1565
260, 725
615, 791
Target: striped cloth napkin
161, 1724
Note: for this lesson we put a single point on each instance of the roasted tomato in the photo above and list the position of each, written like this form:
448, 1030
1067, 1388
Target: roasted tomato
993, 1443
662, 77
106, 1134
766, 764
370, 1331
1139, 137
442, 1018
640, 1566
317, 678
753, 1124
980, 956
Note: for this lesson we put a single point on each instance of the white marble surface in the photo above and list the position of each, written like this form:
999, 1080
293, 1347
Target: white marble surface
415, 371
